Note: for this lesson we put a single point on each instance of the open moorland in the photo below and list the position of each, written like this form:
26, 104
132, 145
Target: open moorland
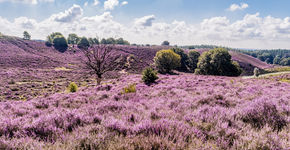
179, 111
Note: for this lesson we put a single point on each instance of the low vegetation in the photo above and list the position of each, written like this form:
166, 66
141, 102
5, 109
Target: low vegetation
149, 76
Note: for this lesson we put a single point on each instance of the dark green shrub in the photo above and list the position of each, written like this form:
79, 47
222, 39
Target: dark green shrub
193, 60
217, 61
73, 87
84, 43
60, 43
149, 76
183, 60
166, 61
165, 43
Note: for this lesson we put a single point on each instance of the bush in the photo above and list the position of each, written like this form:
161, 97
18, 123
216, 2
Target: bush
256, 72
193, 60
130, 89
166, 60
217, 62
73, 87
184, 58
84, 43
149, 76
165, 43
60, 43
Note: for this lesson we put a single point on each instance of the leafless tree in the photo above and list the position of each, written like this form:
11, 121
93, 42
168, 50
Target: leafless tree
100, 59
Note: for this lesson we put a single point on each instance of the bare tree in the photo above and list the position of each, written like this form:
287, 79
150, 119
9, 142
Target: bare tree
100, 59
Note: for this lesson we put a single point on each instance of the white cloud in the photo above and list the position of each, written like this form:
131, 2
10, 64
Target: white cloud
69, 15
145, 21
34, 2
96, 2
252, 31
110, 4
235, 7
86, 4
124, 3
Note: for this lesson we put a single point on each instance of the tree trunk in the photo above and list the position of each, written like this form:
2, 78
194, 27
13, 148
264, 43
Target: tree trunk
99, 79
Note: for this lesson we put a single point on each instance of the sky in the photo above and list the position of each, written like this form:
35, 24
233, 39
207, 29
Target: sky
252, 24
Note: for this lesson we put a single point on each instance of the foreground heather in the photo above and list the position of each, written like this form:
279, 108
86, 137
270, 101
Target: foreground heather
179, 112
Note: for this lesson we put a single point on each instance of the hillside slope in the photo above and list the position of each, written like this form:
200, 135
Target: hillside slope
16, 52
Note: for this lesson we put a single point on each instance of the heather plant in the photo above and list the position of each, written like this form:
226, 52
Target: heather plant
166, 61
192, 60
217, 62
131, 88
73, 87
149, 76
261, 112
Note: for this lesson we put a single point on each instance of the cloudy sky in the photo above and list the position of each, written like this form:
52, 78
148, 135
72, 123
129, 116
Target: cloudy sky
235, 23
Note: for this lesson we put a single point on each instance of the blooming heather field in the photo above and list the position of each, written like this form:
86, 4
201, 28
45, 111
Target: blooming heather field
178, 112
183, 111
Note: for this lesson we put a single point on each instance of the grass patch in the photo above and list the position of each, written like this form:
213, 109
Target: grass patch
62, 69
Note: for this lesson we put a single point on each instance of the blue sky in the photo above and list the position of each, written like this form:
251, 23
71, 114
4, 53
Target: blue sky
235, 23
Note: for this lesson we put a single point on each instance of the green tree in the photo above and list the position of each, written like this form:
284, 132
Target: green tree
60, 43
104, 41
193, 60
277, 60
111, 41
26, 35
217, 62
183, 60
165, 43
50, 38
121, 41
73, 39
84, 43
285, 61
96, 41
166, 61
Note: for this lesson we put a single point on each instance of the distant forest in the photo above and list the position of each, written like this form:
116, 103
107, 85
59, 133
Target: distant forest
276, 56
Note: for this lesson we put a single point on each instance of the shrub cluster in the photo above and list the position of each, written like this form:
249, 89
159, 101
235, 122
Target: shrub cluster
149, 76
217, 62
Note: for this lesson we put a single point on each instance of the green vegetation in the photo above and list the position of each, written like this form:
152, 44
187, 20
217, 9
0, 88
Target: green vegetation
26, 35
130, 89
193, 60
73, 87
183, 60
119, 41
217, 62
73, 39
149, 76
84, 43
166, 61
60, 43
278, 57
165, 43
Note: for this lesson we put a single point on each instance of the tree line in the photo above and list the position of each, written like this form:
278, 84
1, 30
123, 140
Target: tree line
61, 43
277, 57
